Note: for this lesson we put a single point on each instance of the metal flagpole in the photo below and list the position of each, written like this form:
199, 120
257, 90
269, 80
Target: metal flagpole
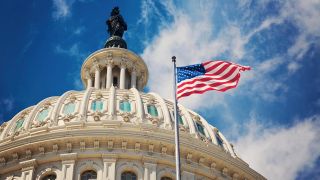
176, 124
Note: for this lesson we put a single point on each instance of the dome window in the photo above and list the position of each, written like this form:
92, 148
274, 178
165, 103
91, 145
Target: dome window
166, 178
42, 115
152, 110
89, 175
69, 108
128, 176
179, 118
49, 177
97, 105
125, 106
219, 140
200, 128
19, 124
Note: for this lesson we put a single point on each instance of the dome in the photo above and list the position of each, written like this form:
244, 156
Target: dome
112, 130
99, 108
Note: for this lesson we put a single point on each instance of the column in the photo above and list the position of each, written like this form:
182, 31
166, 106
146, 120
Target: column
28, 168
122, 76
68, 162
150, 171
97, 77
133, 78
89, 82
109, 75
109, 168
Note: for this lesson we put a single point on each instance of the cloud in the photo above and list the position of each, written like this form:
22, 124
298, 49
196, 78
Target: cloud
62, 8
73, 51
7, 104
277, 151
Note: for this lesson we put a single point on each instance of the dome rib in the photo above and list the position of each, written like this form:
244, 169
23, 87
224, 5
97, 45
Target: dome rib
164, 107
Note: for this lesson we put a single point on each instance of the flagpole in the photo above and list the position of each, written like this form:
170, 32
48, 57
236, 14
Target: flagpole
176, 123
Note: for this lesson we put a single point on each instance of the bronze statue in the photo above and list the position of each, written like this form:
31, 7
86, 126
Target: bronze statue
116, 24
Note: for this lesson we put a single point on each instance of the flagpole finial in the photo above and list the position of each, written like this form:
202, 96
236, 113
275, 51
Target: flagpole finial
173, 59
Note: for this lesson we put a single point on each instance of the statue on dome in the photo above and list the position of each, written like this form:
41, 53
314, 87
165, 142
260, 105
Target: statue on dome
116, 24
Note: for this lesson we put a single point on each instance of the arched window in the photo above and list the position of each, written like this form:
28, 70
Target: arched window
49, 177
42, 115
19, 124
97, 105
89, 175
219, 140
125, 106
69, 108
200, 128
166, 178
128, 176
179, 118
152, 110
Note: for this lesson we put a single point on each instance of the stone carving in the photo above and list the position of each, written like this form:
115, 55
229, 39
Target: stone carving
55, 148
96, 145
2, 161
28, 154
164, 150
69, 146
41, 150
137, 147
124, 145
110, 144
151, 147
82, 145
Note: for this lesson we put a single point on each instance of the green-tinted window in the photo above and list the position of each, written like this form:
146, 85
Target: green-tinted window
219, 141
19, 124
152, 110
97, 105
69, 108
125, 106
200, 128
179, 119
42, 115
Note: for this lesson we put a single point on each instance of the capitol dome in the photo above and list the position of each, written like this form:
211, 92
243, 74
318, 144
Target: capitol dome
113, 130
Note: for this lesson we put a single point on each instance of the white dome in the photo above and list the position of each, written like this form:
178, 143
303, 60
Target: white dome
112, 128
76, 107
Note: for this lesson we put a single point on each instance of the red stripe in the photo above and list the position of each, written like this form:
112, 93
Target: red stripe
215, 66
195, 91
211, 84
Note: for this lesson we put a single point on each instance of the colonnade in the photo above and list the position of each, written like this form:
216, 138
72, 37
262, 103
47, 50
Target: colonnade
109, 77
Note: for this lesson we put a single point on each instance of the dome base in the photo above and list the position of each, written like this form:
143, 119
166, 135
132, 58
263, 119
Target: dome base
115, 41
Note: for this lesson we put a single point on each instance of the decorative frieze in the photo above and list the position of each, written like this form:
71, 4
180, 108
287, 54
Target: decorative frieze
110, 145
28, 154
41, 150
55, 148
137, 147
164, 150
124, 145
151, 147
96, 145
82, 145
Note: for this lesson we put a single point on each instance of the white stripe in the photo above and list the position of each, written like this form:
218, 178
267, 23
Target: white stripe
212, 63
207, 86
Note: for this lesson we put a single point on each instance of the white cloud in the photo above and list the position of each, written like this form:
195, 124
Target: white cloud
7, 104
277, 151
62, 8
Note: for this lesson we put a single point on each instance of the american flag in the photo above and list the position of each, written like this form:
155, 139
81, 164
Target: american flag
210, 75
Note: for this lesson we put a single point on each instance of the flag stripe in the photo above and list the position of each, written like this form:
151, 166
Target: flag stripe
218, 75
210, 78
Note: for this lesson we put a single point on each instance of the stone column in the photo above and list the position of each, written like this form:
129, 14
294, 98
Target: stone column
109, 74
133, 78
97, 77
150, 171
89, 82
122, 76
187, 175
109, 168
68, 162
28, 168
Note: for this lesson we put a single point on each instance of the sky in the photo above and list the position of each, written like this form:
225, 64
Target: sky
272, 117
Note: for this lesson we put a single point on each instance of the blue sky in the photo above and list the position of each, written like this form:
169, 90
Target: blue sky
272, 117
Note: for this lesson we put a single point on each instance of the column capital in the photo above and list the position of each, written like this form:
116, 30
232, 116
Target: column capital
123, 64
109, 56
110, 62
